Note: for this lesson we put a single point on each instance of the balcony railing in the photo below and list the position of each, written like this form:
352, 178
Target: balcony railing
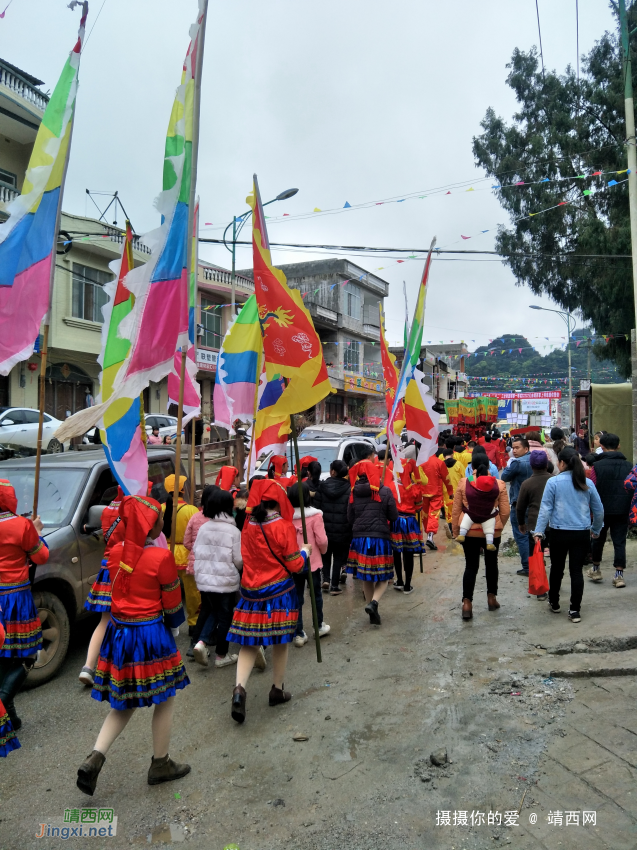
138, 245
220, 276
21, 87
7, 194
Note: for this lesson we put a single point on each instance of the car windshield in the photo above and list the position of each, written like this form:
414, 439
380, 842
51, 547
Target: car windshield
324, 454
59, 492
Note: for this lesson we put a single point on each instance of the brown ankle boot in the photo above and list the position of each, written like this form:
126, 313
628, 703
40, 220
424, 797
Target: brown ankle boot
279, 695
165, 770
239, 704
492, 602
467, 609
88, 772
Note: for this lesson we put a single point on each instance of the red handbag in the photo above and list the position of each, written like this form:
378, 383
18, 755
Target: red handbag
538, 582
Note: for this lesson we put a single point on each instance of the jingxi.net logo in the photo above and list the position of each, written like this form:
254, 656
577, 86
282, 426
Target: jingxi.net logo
80, 823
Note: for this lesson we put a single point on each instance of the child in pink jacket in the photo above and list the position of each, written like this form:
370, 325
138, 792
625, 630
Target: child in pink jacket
318, 538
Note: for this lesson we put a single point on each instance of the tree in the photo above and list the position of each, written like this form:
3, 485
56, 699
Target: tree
565, 129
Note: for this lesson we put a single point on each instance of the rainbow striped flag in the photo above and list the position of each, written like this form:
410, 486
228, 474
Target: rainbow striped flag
28, 238
390, 374
238, 367
121, 431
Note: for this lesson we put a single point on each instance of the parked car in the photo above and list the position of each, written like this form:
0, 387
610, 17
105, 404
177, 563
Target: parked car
325, 447
19, 427
167, 424
70, 484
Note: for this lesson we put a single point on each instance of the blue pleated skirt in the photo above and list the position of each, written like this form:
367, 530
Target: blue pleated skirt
19, 616
266, 616
406, 535
371, 559
8, 738
99, 597
139, 665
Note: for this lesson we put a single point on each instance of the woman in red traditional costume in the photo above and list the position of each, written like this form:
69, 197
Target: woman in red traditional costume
20, 545
139, 664
277, 467
8, 738
406, 534
228, 478
267, 613
371, 511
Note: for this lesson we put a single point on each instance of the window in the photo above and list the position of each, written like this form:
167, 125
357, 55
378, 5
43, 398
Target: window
8, 178
211, 321
32, 417
88, 292
352, 301
351, 358
15, 416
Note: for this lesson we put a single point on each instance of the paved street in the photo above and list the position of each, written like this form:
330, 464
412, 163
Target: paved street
380, 703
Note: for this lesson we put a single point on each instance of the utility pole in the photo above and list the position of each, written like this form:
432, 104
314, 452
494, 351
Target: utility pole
632, 183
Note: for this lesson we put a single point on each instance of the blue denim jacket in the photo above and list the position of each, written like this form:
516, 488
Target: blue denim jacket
566, 508
516, 473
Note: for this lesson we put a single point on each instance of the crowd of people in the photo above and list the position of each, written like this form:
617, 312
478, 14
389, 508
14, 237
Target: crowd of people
241, 563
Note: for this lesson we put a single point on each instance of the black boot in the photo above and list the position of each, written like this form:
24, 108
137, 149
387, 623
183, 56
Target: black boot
372, 609
239, 704
87, 774
14, 677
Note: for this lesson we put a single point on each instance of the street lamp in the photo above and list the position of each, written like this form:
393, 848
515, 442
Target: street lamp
566, 317
241, 220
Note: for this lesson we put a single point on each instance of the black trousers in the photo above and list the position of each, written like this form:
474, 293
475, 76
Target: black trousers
215, 616
334, 561
472, 547
406, 558
618, 527
576, 545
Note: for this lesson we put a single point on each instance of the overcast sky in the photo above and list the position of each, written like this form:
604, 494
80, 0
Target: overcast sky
350, 101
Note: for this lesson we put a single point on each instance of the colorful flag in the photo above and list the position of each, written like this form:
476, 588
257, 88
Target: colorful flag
160, 286
390, 374
192, 390
28, 238
412, 355
238, 368
421, 419
272, 428
121, 428
291, 345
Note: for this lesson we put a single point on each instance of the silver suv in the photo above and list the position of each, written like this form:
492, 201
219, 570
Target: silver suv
70, 484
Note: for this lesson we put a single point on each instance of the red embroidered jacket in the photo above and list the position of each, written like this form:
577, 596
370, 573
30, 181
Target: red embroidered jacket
153, 587
110, 517
19, 540
260, 566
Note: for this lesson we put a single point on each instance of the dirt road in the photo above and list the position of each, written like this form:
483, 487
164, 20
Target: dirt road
384, 699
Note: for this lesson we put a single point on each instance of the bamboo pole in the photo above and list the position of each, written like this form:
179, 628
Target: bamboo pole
38, 456
180, 416
254, 419
309, 575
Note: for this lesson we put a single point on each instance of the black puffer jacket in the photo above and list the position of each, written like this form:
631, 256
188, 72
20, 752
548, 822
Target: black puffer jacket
332, 497
611, 469
370, 518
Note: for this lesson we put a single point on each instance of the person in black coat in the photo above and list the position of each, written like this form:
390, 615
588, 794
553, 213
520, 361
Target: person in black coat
371, 511
610, 469
332, 497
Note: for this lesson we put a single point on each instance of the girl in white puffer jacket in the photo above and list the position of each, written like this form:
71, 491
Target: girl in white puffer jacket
217, 568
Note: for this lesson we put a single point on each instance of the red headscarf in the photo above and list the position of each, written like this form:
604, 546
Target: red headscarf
266, 489
139, 515
380, 464
305, 462
226, 476
277, 462
8, 499
369, 470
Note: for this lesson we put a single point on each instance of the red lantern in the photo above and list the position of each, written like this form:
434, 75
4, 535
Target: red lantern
32, 367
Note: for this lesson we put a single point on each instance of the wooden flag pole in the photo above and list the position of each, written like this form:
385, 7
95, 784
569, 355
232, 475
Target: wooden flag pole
309, 575
38, 455
254, 421
180, 416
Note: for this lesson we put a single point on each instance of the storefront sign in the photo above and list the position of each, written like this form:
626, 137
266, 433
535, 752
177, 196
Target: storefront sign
362, 385
550, 394
207, 360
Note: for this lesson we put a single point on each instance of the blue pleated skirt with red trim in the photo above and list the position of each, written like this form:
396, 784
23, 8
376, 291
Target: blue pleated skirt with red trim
371, 559
139, 665
8, 738
266, 616
19, 617
406, 535
99, 597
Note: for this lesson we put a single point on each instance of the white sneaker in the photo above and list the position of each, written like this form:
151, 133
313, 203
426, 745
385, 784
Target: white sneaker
261, 661
227, 661
201, 653
300, 640
324, 629
594, 575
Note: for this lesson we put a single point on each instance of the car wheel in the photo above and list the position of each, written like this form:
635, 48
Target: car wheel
55, 446
56, 631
